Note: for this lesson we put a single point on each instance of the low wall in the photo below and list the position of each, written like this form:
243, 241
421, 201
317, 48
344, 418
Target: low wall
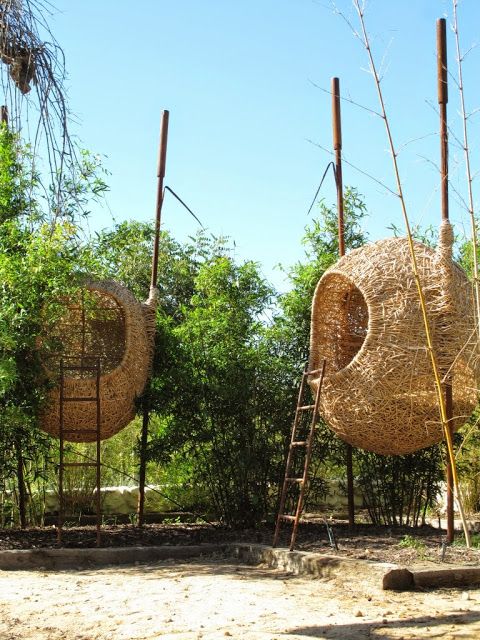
122, 500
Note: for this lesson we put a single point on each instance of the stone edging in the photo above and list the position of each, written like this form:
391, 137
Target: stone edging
390, 576
87, 558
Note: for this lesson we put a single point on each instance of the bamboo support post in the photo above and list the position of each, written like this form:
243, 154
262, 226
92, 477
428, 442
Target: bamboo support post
162, 160
442, 90
337, 146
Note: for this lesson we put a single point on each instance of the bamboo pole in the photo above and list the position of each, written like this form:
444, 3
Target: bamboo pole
442, 92
421, 296
466, 150
337, 147
162, 160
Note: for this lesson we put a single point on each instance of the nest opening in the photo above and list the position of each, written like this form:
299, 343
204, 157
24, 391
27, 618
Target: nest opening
93, 327
344, 322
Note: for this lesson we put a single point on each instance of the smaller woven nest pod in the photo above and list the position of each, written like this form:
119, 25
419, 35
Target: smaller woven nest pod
378, 392
106, 323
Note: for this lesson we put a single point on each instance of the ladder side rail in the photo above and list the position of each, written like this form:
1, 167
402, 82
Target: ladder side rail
61, 458
98, 460
308, 456
288, 464
96, 367
299, 404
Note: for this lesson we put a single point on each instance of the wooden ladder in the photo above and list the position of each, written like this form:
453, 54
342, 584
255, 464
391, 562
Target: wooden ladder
91, 367
299, 445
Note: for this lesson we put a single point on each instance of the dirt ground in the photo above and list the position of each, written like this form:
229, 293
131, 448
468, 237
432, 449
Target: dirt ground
216, 598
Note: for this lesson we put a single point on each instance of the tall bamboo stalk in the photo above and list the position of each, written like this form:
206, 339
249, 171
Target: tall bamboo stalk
421, 295
466, 150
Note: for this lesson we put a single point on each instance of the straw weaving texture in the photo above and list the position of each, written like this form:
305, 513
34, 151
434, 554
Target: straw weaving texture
379, 392
120, 331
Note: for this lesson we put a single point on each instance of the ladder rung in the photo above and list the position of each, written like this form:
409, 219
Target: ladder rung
80, 399
299, 443
77, 358
312, 372
78, 367
294, 479
79, 464
306, 406
79, 431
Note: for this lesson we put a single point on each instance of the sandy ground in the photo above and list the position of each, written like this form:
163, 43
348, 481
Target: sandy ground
215, 598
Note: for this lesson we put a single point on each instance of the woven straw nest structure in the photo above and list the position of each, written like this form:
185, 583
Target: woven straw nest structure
379, 391
108, 324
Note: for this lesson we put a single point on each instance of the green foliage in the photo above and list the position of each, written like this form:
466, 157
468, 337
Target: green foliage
70, 197
214, 392
474, 540
219, 413
398, 490
467, 441
41, 262
410, 542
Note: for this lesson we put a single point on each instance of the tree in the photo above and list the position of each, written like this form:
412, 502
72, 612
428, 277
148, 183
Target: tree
219, 417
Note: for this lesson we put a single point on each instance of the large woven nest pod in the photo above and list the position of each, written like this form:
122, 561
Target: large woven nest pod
106, 323
379, 391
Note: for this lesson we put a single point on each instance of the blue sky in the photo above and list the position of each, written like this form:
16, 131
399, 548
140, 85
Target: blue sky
237, 78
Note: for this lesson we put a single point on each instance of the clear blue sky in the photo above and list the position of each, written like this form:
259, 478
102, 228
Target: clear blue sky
237, 78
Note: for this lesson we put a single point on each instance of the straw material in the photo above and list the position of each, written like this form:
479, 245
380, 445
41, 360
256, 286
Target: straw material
378, 393
111, 325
